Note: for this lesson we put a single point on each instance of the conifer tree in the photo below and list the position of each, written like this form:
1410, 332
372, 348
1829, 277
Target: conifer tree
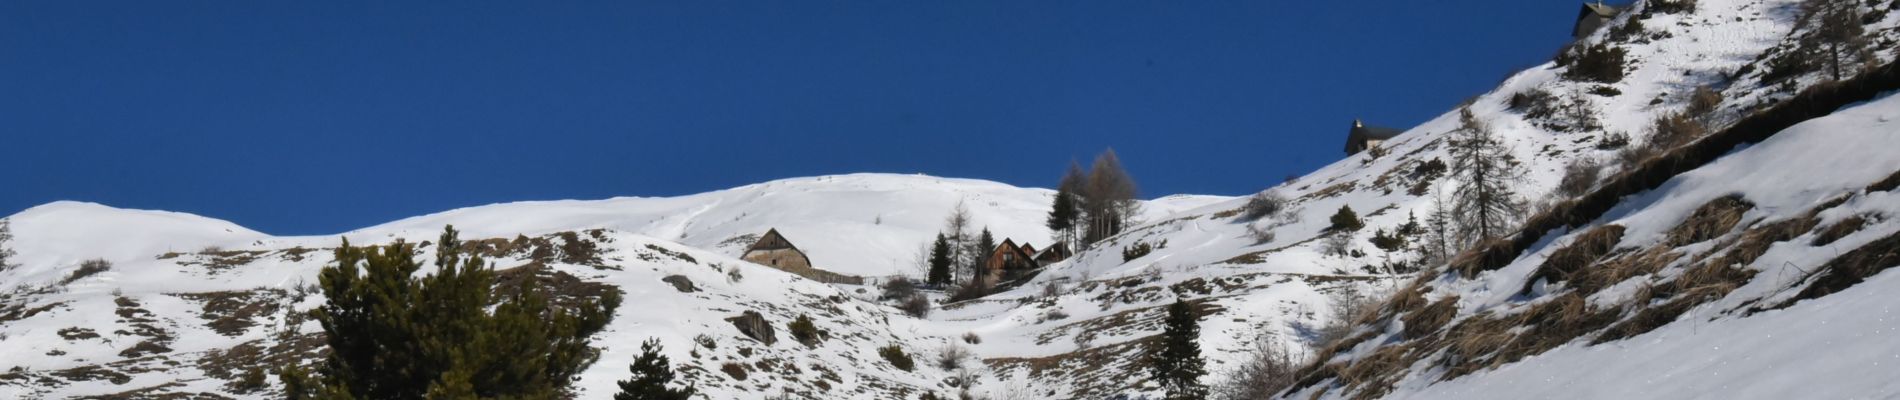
1063, 215
651, 373
940, 261
1176, 362
1345, 220
6, 237
1485, 204
446, 335
984, 245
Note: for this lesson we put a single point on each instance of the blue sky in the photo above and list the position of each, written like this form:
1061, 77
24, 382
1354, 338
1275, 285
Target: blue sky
319, 117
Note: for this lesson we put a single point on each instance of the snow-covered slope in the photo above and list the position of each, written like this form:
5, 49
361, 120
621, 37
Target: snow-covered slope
1077, 329
859, 224
1763, 300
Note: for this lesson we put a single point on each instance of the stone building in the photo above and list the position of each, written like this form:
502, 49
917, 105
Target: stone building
774, 251
1591, 17
1362, 137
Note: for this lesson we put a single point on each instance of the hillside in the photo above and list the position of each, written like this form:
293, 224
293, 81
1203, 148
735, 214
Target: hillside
1740, 260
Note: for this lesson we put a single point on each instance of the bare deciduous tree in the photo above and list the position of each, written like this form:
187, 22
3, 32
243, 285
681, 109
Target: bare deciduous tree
1485, 204
1266, 370
1108, 198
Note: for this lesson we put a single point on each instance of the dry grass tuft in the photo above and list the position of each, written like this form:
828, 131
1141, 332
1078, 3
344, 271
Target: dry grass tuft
1486, 256
1428, 320
1646, 320
1470, 344
1852, 268
1554, 323
1623, 268
1372, 376
1710, 221
1841, 229
1756, 241
1892, 182
1585, 250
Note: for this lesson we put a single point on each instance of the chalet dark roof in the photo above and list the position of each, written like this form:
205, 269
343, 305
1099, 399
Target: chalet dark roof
1013, 248
1600, 9
1362, 132
771, 241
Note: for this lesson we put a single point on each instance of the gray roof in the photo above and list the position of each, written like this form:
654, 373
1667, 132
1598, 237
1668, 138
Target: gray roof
1362, 132
1602, 10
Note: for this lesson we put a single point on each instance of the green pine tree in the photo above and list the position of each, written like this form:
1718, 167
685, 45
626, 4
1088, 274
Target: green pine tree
1063, 214
1177, 359
940, 261
985, 245
446, 335
1346, 220
651, 374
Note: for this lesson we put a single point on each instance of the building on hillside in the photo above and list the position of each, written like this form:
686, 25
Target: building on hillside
1030, 250
1362, 137
1591, 17
1054, 254
774, 251
1007, 261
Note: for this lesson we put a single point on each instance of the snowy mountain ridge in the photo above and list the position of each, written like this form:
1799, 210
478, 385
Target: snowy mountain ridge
1079, 328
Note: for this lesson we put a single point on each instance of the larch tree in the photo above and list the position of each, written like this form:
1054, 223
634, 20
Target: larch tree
1484, 205
1108, 201
956, 228
1835, 32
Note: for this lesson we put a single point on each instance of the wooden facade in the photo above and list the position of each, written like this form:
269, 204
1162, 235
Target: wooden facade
1006, 261
1054, 254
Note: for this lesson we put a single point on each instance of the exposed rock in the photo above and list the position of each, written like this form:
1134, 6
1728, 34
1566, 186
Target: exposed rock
755, 326
680, 283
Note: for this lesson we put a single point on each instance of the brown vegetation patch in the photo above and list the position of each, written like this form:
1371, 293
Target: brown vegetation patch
1372, 376
1840, 230
215, 260
1427, 321
1331, 191
1852, 268
1646, 320
1585, 250
230, 313
159, 392
1486, 256
1095, 372
1710, 221
1884, 185
92, 373
1468, 345
1619, 269
77, 333
19, 311
145, 348
1757, 240
1815, 101
1553, 323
